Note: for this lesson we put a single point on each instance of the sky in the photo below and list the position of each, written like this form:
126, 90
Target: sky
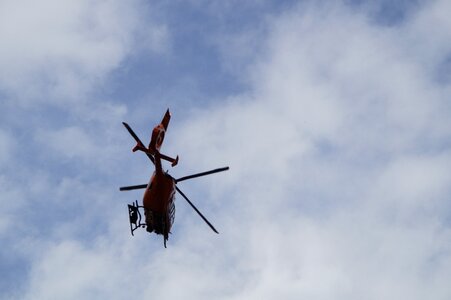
334, 117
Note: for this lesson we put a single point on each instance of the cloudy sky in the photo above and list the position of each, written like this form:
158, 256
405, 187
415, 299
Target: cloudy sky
334, 117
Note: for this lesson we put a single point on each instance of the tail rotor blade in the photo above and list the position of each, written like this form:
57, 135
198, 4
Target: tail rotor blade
195, 208
202, 174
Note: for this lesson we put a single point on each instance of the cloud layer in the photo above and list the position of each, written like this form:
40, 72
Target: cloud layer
339, 183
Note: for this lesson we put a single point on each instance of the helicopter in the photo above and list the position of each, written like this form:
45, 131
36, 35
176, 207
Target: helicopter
159, 195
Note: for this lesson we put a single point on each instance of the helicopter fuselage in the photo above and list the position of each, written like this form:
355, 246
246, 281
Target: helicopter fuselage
158, 202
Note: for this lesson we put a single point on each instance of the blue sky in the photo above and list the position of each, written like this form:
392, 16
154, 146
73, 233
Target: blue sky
333, 116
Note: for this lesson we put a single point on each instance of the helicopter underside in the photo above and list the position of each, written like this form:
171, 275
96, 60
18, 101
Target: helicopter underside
154, 221
157, 222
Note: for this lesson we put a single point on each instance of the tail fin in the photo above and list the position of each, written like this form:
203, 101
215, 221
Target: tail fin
166, 119
159, 131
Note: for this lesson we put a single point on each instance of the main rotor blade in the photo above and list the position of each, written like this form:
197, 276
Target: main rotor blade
195, 208
133, 134
202, 174
133, 187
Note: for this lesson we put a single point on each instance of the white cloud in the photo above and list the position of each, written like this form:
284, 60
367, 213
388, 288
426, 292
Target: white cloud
93, 140
71, 271
428, 34
56, 51
69, 142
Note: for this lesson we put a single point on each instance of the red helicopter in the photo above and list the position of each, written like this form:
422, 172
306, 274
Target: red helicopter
158, 199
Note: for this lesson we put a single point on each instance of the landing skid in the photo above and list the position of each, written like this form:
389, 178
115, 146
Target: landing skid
134, 216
